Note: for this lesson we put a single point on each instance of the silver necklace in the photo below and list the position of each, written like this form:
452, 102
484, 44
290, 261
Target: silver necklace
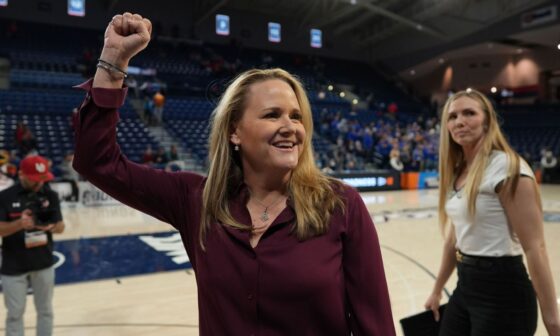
264, 215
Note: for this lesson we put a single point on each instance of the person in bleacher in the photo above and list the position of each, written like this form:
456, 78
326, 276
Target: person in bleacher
148, 156
161, 158
173, 154
278, 248
491, 213
548, 166
159, 103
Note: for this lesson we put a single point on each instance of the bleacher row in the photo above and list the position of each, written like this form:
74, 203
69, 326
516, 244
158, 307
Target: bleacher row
41, 96
45, 79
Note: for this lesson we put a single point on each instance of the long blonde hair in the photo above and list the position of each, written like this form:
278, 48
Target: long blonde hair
313, 193
451, 159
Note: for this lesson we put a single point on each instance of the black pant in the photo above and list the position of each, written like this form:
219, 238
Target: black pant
494, 297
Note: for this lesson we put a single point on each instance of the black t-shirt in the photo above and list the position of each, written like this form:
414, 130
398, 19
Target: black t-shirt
16, 257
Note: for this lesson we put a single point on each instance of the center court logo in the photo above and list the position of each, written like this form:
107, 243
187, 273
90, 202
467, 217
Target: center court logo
172, 246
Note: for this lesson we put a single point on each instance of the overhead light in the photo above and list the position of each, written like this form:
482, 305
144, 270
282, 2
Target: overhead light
558, 46
493, 89
330, 87
354, 101
469, 90
342, 94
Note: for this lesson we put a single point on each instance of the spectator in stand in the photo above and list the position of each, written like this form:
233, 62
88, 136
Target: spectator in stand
383, 148
160, 159
148, 157
406, 156
148, 111
395, 159
159, 103
132, 83
392, 108
21, 128
417, 163
367, 141
173, 154
430, 157
28, 143
549, 166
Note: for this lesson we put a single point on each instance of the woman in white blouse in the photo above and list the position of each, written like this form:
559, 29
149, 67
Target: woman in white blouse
490, 213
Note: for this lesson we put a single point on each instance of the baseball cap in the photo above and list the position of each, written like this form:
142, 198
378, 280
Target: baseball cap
36, 169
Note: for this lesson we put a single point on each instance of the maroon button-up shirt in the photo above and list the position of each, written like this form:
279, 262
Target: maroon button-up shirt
333, 284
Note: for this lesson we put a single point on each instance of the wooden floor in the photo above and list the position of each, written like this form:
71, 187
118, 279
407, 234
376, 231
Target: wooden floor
165, 303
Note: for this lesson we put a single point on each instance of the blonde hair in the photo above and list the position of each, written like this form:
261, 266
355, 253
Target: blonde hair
313, 193
451, 159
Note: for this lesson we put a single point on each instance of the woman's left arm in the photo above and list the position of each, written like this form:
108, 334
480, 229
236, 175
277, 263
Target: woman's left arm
525, 217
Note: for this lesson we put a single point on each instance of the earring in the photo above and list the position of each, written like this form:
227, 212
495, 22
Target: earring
236, 148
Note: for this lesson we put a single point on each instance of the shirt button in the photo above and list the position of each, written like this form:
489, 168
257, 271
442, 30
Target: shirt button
250, 297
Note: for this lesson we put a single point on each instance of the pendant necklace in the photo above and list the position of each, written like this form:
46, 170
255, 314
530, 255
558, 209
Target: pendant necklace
264, 216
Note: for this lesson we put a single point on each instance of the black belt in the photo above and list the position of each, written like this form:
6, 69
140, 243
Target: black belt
487, 262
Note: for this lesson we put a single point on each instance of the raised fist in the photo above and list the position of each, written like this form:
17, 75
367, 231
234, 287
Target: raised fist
125, 36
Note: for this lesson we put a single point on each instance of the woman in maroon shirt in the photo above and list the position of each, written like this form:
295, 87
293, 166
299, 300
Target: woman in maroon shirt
277, 247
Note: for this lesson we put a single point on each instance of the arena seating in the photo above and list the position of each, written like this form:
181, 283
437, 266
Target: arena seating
40, 93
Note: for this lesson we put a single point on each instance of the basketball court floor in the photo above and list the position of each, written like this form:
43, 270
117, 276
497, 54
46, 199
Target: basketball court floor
123, 273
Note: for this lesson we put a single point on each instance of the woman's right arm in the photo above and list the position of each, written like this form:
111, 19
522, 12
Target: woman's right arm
98, 157
446, 268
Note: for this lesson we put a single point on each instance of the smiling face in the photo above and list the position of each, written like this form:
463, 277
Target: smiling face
466, 122
270, 133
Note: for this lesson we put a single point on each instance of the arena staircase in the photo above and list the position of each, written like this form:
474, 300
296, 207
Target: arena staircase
166, 140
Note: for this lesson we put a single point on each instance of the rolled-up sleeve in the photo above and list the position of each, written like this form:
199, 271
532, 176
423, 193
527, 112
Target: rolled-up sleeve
99, 159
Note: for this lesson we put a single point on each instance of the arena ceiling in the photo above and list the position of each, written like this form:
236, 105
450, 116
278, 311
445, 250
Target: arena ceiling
388, 29
399, 33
